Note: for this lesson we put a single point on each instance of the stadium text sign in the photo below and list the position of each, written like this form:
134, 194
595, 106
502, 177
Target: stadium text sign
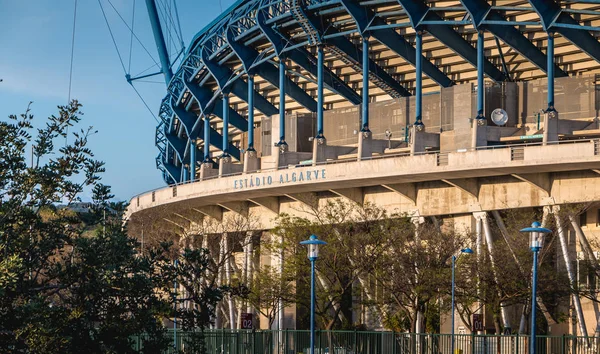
286, 177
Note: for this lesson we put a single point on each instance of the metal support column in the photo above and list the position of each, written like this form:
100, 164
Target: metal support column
480, 84
251, 113
365, 88
281, 142
225, 125
419, 79
550, 57
165, 65
320, 64
192, 160
207, 140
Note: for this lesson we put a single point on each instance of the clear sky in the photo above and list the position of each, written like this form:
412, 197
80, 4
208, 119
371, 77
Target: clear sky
34, 66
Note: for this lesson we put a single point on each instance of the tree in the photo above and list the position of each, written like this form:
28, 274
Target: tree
69, 280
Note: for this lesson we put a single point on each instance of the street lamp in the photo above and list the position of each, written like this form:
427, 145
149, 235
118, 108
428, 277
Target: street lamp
313, 243
535, 232
454, 258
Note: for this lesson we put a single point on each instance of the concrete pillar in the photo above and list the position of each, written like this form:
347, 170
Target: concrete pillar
207, 170
251, 162
550, 127
365, 145
570, 272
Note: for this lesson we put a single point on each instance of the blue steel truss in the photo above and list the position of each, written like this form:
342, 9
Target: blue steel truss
253, 35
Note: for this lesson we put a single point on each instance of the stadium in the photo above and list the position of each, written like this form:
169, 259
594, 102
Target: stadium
451, 111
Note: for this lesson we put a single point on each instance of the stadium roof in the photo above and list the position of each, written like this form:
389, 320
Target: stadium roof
252, 36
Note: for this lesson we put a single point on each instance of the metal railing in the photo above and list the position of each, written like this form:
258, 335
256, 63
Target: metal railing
360, 342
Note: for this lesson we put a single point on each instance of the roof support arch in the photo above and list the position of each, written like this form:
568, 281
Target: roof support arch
555, 20
418, 11
351, 54
305, 60
267, 71
391, 39
480, 11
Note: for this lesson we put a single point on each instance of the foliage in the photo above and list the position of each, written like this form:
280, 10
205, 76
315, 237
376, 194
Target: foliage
69, 280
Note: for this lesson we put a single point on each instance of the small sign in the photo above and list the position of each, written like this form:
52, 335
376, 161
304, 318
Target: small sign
477, 322
247, 322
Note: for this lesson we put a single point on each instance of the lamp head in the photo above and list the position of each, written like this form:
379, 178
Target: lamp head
320, 140
313, 243
535, 232
481, 121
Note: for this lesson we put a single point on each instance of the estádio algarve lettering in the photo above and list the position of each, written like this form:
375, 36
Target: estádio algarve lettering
284, 178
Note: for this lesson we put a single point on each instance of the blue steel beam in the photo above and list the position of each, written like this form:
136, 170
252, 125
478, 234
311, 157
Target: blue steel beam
173, 172
552, 17
203, 97
352, 52
481, 11
238, 87
161, 47
391, 39
194, 127
581, 38
418, 12
306, 60
268, 72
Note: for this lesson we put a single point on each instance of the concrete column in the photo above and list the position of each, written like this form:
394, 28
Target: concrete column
478, 251
228, 259
550, 127
490, 245
570, 272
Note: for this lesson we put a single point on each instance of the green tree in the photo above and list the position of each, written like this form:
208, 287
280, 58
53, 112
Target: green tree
70, 281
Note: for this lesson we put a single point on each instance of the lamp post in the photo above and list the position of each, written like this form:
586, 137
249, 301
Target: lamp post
313, 243
454, 259
535, 232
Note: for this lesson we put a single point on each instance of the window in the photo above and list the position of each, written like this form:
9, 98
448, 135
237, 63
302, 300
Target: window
583, 219
586, 272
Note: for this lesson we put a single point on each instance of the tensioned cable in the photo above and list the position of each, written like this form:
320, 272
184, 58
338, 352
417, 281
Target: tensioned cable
123, 64
112, 36
136, 37
145, 104
178, 23
131, 38
170, 25
72, 52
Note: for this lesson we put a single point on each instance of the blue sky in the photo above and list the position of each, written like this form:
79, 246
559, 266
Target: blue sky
35, 61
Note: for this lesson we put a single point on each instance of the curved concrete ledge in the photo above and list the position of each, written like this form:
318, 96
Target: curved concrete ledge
515, 161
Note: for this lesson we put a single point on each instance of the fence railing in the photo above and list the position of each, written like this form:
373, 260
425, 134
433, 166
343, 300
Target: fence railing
360, 342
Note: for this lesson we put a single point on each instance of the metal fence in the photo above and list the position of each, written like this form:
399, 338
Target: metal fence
359, 342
